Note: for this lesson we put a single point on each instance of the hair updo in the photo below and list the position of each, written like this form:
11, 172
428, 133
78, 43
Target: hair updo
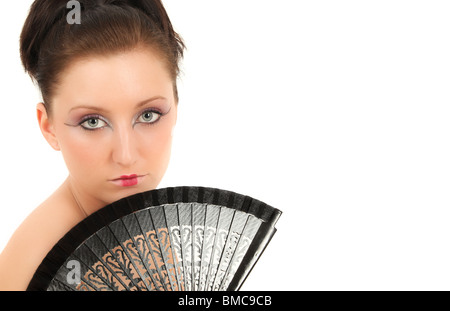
48, 43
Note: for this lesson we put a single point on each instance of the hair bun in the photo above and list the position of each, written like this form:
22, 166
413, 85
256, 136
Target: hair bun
45, 15
48, 13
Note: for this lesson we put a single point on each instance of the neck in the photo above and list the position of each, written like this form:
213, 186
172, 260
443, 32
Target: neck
85, 203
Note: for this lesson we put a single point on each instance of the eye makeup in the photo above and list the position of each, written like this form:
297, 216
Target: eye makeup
149, 116
92, 122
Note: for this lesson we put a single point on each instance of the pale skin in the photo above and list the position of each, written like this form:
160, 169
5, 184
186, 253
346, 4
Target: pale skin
111, 116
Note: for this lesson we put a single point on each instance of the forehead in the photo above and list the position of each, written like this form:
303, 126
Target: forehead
126, 77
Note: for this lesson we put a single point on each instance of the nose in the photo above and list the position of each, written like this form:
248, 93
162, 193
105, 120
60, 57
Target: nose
124, 150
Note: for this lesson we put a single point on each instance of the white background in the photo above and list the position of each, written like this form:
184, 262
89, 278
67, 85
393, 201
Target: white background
335, 112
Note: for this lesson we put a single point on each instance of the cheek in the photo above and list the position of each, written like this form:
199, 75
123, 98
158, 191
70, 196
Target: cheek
156, 149
83, 154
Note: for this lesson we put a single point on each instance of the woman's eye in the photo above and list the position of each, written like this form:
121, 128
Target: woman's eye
149, 117
93, 123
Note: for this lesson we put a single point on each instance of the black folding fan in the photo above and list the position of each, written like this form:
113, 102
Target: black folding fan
171, 239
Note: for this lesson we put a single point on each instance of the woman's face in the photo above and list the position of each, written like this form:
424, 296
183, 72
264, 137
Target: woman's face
112, 118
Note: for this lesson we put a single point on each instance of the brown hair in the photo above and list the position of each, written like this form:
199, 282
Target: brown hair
48, 43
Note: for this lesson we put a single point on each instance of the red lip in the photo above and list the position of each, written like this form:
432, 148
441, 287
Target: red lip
127, 177
127, 180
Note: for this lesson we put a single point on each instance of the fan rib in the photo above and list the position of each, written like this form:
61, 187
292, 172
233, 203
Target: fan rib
224, 225
147, 223
157, 215
134, 261
135, 220
171, 215
251, 226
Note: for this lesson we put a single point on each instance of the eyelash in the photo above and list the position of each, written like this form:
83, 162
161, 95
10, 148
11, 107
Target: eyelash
98, 117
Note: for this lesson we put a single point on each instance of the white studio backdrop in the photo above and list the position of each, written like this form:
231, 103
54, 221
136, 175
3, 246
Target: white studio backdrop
335, 112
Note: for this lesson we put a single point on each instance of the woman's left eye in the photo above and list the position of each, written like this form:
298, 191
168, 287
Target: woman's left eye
149, 117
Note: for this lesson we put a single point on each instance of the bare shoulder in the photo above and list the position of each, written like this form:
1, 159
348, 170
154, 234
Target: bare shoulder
34, 238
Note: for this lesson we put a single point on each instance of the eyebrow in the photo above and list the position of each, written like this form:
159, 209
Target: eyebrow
100, 109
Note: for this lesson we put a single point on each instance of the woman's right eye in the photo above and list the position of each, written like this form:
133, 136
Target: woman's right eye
93, 124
